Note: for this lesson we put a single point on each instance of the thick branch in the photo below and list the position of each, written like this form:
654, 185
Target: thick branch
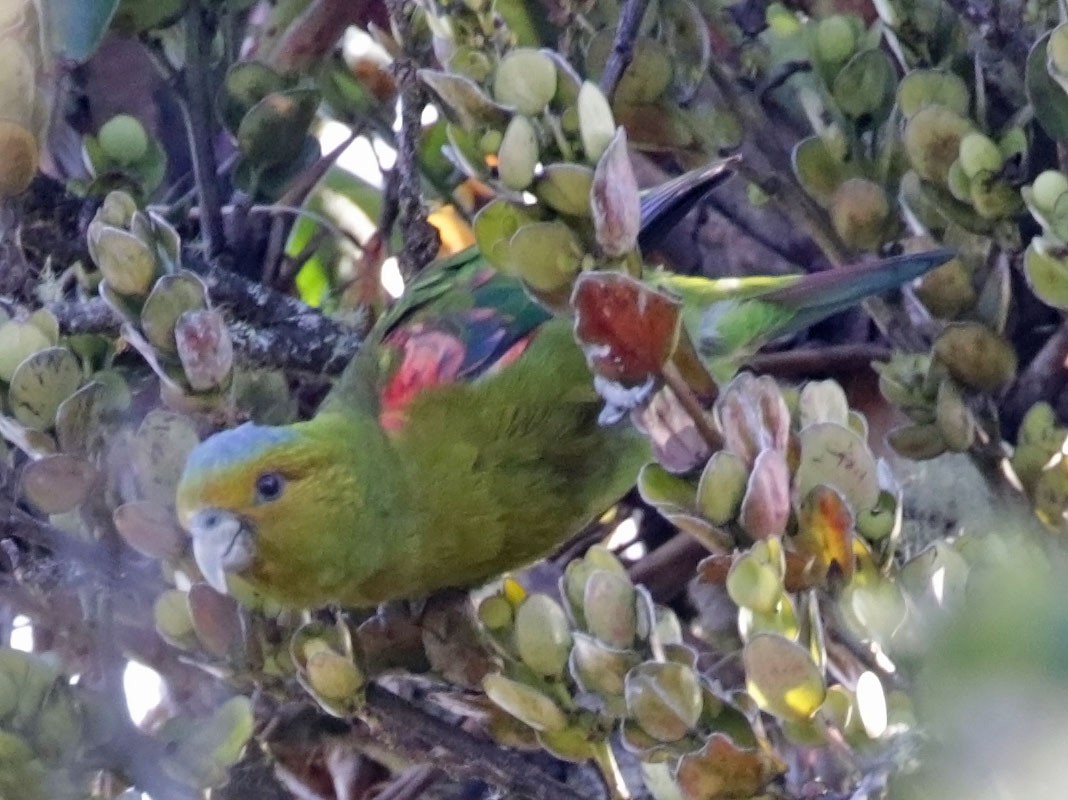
271, 329
457, 751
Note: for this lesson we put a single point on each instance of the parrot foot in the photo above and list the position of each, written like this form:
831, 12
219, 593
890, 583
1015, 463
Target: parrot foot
620, 399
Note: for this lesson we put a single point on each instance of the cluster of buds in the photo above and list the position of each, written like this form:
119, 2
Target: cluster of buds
657, 97
43, 728
941, 392
1046, 258
610, 659
166, 309
50, 730
801, 516
554, 136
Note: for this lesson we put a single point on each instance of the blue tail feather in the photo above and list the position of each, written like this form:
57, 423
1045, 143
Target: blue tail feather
837, 289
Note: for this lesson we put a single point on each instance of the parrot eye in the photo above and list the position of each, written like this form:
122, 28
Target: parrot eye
269, 487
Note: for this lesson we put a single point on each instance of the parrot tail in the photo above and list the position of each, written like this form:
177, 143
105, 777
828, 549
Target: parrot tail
821, 294
665, 205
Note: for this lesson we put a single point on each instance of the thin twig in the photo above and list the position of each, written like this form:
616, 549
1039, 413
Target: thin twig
314, 33
677, 383
70, 551
199, 116
667, 570
1044, 377
822, 360
294, 196
412, 784
623, 45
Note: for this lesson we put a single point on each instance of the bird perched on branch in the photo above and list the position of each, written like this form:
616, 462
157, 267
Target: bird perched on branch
461, 442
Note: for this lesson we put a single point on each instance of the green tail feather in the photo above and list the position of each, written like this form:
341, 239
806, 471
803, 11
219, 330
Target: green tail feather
728, 331
815, 297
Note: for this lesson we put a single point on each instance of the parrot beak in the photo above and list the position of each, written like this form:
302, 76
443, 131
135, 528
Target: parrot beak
222, 543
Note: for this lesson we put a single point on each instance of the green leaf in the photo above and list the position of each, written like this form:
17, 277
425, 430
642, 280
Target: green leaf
1047, 275
865, 87
782, 678
1048, 100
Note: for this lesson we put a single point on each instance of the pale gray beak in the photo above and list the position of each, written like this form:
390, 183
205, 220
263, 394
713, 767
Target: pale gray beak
222, 543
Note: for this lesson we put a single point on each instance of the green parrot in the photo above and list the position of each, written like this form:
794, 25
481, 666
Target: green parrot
729, 319
461, 442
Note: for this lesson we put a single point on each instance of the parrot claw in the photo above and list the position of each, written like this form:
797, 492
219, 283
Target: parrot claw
620, 399
222, 543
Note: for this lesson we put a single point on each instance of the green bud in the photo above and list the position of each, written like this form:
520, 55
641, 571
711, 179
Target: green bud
123, 139
979, 153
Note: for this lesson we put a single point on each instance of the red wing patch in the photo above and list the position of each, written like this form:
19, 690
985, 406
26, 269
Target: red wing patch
430, 357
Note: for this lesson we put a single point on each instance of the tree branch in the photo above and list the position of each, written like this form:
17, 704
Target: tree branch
270, 328
457, 751
199, 115
70, 551
623, 46
1044, 377
421, 240
823, 360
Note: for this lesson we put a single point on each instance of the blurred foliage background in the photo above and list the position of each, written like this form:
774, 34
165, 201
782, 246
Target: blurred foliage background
207, 203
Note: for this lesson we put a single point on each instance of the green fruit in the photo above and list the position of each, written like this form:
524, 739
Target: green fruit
495, 613
525, 703
947, 290
525, 80
18, 341
993, 199
1048, 188
979, 153
596, 124
1057, 51
123, 139
542, 635
976, 356
753, 585
332, 676
835, 38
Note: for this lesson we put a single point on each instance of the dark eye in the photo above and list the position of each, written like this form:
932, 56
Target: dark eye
269, 487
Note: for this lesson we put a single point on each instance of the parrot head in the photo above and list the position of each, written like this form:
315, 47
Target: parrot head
256, 502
